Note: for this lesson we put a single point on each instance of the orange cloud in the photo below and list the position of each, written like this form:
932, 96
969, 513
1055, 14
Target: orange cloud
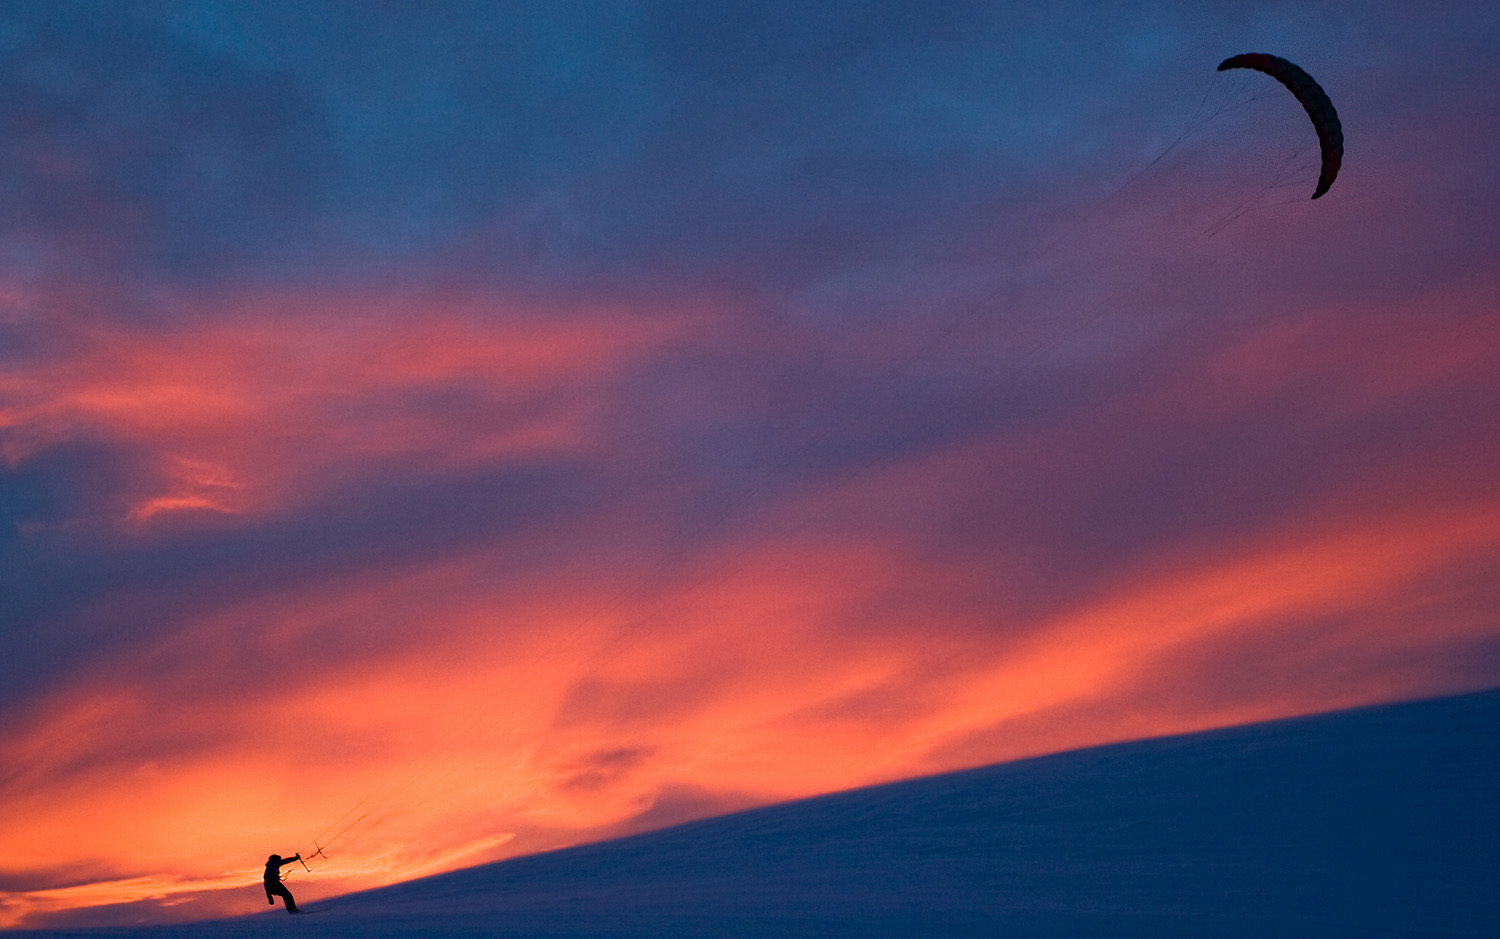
250, 405
746, 678
415, 715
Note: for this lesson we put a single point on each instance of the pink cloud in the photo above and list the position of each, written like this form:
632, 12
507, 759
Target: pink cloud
935, 605
259, 401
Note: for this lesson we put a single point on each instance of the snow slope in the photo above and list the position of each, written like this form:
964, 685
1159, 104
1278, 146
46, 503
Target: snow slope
1376, 822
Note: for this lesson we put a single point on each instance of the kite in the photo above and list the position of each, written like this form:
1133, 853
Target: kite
1312, 97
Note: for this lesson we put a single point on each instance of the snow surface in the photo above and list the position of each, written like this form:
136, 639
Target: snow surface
1376, 822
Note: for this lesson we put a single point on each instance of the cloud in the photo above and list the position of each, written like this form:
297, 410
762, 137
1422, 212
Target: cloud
540, 423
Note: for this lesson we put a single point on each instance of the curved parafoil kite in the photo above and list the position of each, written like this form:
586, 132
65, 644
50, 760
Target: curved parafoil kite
1325, 119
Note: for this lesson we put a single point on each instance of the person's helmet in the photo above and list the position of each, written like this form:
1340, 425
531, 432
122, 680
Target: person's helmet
274, 857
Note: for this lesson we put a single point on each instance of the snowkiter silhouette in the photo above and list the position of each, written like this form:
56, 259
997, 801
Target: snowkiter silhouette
274, 887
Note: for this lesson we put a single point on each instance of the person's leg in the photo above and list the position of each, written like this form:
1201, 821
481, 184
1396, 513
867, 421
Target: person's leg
285, 894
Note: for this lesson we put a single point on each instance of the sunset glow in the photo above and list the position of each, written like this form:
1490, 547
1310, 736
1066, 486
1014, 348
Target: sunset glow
436, 478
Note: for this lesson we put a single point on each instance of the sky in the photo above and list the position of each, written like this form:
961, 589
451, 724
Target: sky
438, 432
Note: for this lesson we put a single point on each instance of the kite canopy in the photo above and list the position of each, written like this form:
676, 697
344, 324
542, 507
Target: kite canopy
1325, 119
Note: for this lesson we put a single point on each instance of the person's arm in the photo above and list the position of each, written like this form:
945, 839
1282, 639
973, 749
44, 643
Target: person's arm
287, 860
